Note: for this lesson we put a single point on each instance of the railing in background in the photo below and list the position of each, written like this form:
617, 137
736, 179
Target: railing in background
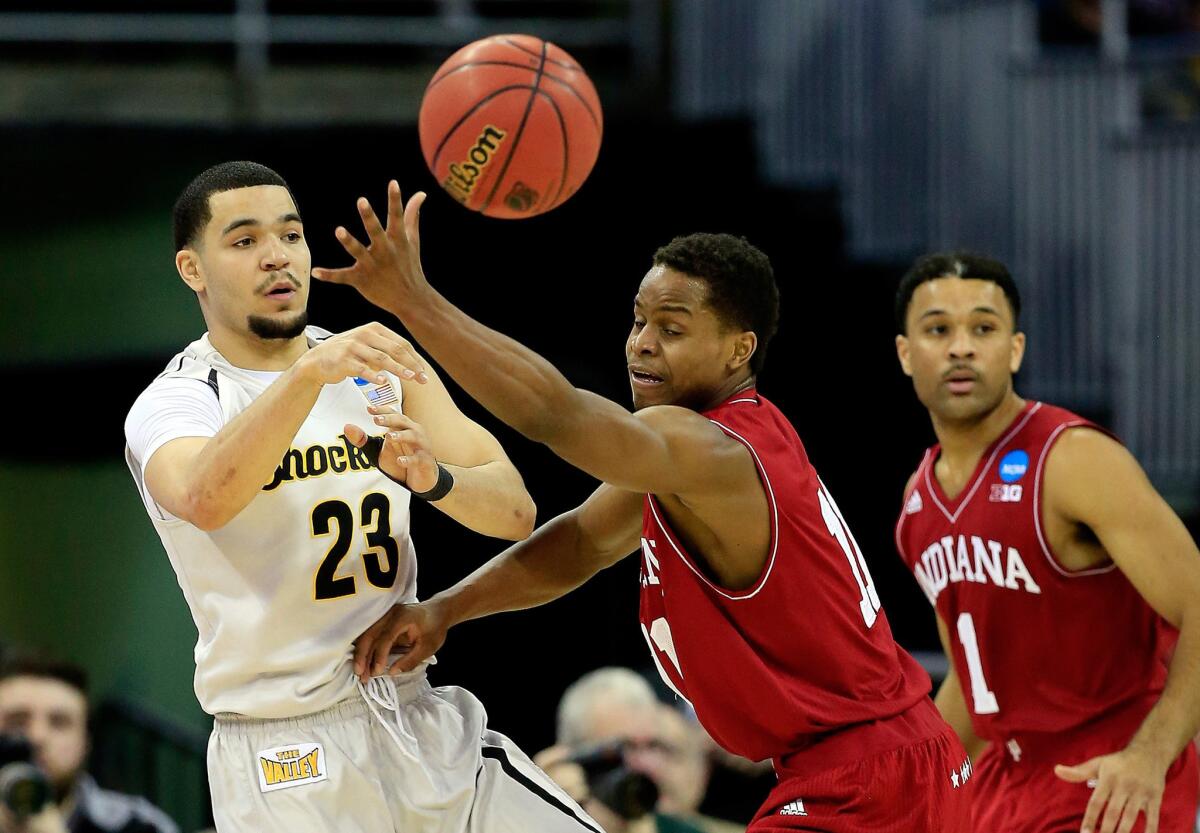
971, 122
1155, 343
1067, 108
138, 752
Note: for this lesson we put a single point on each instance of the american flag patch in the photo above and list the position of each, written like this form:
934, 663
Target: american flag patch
377, 394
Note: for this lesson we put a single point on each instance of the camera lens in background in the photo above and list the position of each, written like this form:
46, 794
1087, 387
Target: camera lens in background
24, 790
629, 794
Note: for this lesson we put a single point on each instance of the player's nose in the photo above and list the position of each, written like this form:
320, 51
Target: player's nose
275, 257
961, 345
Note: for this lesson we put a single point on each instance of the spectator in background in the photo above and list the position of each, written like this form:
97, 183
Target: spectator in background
46, 703
617, 706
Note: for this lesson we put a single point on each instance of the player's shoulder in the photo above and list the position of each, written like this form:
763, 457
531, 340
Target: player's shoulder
677, 420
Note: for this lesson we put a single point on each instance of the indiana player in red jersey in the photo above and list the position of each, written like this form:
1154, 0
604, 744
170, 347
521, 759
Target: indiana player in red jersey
1059, 576
755, 600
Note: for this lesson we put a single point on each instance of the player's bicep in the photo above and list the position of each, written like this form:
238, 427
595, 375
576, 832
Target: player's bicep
167, 474
1095, 481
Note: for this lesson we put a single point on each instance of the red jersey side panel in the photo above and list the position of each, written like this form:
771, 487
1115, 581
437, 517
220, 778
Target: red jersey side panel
1037, 648
803, 652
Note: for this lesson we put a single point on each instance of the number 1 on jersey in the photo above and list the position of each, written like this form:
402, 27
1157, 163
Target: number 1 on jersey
869, 604
984, 697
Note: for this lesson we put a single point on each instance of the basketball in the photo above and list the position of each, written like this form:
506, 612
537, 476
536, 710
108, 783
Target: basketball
510, 126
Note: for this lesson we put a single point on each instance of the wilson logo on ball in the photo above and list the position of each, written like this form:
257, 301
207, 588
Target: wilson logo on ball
463, 175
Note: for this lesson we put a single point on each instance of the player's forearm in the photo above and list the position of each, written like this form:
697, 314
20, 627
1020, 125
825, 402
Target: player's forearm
549, 564
242, 457
1175, 719
952, 704
514, 383
490, 499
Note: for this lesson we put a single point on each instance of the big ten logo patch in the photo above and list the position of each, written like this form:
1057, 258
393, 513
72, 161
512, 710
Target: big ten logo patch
291, 766
1006, 493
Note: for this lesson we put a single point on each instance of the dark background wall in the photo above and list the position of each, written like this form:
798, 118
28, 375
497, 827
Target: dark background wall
92, 309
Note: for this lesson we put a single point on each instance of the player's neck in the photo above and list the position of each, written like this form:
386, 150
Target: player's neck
249, 352
964, 441
728, 389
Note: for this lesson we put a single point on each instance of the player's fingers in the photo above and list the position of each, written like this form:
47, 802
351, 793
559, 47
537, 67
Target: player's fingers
391, 418
370, 221
1078, 773
1129, 816
1112, 812
350, 243
1091, 814
354, 434
342, 275
412, 221
362, 652
381, 409
395, 214
1152, 811
399, 350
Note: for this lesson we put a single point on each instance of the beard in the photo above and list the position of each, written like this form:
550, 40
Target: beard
276, 328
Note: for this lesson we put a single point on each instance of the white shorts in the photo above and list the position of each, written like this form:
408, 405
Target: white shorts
403, 757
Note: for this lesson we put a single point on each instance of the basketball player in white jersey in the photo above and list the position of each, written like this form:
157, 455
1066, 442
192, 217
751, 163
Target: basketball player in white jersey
288, 528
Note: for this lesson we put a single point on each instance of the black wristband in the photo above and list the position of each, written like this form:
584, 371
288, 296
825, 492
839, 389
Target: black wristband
445, 482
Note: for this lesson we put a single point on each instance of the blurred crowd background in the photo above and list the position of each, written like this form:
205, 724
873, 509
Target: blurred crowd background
843, 137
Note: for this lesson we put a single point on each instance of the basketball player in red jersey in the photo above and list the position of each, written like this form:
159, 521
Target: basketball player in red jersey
1052, 564
755, 600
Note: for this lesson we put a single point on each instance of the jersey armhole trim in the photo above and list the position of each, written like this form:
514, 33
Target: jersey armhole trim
725, 592
1037, 507
899, 528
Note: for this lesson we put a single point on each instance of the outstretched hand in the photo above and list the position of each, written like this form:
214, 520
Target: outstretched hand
1126, 784
387, 271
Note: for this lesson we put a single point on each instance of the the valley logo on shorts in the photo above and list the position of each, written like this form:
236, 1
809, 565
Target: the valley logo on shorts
291, 766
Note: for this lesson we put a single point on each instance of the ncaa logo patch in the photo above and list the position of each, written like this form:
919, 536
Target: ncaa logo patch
1013, 466
291, 766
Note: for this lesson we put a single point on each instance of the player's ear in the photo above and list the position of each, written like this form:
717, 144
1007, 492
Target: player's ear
187, 263
1018, 352
744, 345
903, 354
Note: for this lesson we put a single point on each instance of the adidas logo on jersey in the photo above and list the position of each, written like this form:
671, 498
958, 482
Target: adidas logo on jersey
317, 460
914, 505
971, 558
793, 808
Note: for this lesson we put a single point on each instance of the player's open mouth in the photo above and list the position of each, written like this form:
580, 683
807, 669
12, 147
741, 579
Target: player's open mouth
641, 377
282, 292
961, 381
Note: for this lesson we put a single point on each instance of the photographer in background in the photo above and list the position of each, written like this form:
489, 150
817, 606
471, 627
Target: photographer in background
43, 720
634, 763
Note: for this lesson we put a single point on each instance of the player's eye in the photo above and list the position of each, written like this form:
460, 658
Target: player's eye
936, 329
984, 329
292, 237
669, 332
243, 242
638, 324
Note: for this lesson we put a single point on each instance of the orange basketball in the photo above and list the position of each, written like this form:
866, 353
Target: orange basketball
510, 125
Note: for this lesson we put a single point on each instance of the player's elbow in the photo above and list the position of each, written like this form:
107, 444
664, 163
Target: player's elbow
522, 520
203, 512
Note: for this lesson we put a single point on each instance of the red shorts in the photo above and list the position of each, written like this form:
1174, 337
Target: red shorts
1025, 796
919, 787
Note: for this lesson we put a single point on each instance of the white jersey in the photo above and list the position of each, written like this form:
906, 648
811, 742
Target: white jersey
278, 593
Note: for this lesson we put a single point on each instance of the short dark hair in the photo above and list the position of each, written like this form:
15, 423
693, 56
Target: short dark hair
960, 264
192, 211
45, 668
741, 283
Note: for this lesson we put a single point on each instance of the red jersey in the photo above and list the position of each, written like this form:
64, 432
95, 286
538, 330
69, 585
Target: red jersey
1038, 648
774, 669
